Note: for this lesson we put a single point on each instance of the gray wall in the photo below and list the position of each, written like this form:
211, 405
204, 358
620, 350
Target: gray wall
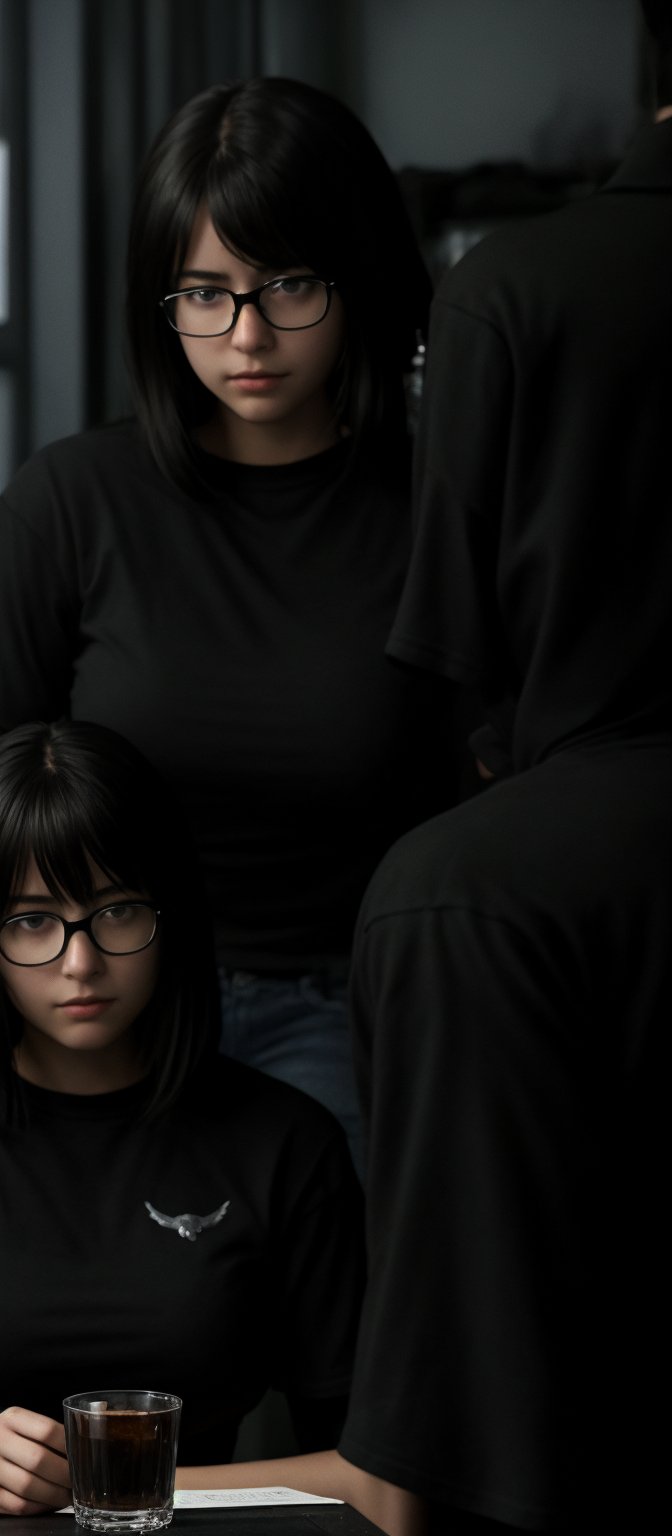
457, 81
452, 82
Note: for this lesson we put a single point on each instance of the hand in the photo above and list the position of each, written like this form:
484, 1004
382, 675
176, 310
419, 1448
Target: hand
34, 1473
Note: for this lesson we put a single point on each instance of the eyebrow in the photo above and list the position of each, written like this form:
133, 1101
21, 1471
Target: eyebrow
43, 901
221, 277
198, 272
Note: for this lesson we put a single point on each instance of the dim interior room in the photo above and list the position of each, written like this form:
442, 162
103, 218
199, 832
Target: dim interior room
486, 108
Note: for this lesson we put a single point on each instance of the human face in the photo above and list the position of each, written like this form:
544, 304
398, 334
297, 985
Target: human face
270, 387
77, 1011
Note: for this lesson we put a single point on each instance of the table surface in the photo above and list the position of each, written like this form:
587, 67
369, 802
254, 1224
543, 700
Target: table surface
249, 1520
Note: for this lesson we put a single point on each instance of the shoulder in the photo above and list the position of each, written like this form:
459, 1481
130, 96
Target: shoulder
78, 490
272, 1127
531, 267
530, 850
63, 466
97, 444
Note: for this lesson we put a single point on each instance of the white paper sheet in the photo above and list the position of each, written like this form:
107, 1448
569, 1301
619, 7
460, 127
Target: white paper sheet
203, 1498
222, 1498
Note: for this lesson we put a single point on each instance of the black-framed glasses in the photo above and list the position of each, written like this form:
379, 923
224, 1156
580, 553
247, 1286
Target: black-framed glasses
287, 303
36, 938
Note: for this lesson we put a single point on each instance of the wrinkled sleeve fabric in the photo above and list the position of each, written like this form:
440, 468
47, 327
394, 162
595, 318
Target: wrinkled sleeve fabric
510, 1004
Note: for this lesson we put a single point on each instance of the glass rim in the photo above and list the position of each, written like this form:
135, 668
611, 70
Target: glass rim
169, 1400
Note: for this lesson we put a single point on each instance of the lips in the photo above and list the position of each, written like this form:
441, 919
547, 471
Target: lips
85, 1007
82, 1001
254, 383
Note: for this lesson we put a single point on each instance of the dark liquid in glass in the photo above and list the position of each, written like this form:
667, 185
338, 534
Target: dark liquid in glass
122, 1458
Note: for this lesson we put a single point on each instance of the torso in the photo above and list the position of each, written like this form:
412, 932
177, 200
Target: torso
94, 1288
239, 642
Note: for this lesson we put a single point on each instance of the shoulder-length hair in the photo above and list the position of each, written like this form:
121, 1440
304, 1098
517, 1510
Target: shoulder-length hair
290, 178
74, 793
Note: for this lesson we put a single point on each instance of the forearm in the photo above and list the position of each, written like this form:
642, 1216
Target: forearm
393, 1509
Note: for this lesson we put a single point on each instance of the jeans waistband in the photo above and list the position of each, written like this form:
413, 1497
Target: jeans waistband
330, 975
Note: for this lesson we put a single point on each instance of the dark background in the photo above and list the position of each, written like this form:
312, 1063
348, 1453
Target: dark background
487, 108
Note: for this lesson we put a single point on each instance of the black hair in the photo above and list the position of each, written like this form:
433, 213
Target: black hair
290, 177
658, 19
74, 792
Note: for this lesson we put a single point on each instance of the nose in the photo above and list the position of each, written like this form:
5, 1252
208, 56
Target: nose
81, 957
251, 332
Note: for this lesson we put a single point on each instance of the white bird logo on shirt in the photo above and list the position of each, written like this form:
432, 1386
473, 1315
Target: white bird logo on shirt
186, 1225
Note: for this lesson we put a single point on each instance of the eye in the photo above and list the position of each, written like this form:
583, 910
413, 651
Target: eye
292, 287
121, 912
204, 297
32, 922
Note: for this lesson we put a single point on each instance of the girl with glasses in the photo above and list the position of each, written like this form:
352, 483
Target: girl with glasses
216, 578
166, 1215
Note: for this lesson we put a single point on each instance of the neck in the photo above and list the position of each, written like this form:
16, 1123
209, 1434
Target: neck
42, 1062
267, 443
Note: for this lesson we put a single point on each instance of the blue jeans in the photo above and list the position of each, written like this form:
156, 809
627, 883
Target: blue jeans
296, 1028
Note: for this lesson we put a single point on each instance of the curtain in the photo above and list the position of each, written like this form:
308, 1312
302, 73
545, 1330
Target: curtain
142, 59
98, 77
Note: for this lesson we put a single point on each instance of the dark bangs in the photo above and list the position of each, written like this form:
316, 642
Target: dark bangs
277, 181
64, 846
247, 223
57, 808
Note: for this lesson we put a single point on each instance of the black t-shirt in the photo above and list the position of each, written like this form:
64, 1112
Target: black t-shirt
238, 639
511, 998
95, 1292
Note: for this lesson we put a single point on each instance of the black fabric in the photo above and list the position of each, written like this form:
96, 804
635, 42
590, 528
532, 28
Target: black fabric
238, 640
95, 1292
512, 972
543, 544
511, 1000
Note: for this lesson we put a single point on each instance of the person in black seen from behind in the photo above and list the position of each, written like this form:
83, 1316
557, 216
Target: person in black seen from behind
217, 579
167, 1215
512, 976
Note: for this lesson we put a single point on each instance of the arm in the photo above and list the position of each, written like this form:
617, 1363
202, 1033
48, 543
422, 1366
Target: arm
393, 1509
320, 1280
34, 1475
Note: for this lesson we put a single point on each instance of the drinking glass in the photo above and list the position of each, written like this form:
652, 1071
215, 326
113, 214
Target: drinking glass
122, 1450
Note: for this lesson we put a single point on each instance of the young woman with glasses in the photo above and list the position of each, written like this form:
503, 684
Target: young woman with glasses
217, 578
167, 1216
